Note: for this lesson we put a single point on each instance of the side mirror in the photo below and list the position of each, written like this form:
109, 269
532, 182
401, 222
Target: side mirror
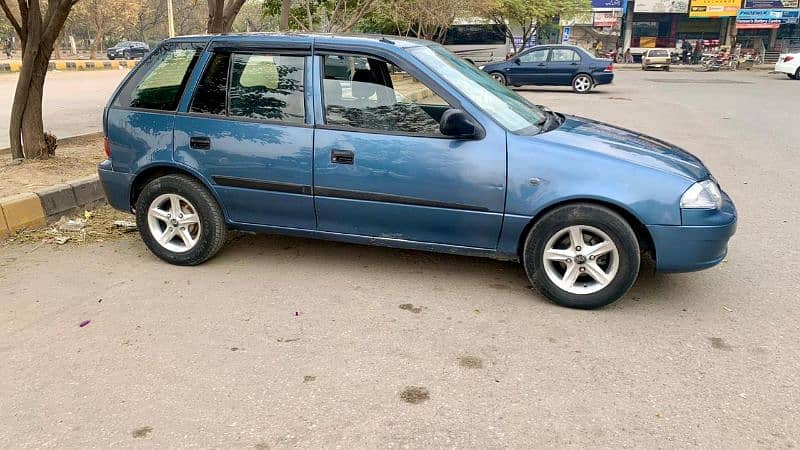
517, 61
458, 124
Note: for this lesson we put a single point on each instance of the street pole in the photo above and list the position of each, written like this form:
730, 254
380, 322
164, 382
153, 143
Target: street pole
170, 19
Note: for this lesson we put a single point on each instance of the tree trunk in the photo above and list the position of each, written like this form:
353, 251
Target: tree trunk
286, 5
97, 45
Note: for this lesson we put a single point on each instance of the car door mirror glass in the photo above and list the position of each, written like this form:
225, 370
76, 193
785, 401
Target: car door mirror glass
458, 124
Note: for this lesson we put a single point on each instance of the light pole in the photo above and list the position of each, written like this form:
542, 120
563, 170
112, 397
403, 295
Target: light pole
170, 19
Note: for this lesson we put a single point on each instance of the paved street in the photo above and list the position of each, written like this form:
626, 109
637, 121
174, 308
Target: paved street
282, 342
73, 101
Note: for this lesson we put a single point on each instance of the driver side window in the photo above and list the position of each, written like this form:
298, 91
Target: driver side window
534, 56
366, 93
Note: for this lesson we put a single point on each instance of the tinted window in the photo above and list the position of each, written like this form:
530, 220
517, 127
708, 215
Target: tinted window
657, 53
159, 80
209, 98
475, 35
371, 94
534, 56
267, 87
563, 55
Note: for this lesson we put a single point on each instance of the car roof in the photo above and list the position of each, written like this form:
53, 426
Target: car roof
316, 38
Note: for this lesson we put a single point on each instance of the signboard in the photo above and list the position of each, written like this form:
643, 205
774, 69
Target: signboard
582, 18
714, 8
661, 6
605, 5
771, 4
608, 19
765, 18
567, 32
518, 42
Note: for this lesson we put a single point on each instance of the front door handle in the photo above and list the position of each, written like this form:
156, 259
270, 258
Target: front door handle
342, 156
200, 142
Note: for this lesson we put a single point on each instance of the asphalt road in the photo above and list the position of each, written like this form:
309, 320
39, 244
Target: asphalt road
72, 103
282, 342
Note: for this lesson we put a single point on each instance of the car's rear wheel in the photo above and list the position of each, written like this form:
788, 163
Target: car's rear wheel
179, 220
792, 76
582, 84
582, 256
499, 77
797, 74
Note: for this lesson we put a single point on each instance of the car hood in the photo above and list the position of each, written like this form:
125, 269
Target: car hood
615, 142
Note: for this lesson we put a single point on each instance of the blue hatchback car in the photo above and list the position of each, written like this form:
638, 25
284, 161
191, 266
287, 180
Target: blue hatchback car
397, 142
553, 65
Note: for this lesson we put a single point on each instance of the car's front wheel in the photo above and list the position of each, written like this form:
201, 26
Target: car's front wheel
179, 220
797, 74
499, 77
582, 256
582, 84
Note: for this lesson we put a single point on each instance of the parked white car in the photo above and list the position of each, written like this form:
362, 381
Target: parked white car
789, 63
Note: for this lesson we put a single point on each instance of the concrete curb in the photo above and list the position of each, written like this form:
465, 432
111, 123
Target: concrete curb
75, 64
35, 209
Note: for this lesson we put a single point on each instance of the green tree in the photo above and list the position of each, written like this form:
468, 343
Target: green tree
321, 15
527, 16
38, 29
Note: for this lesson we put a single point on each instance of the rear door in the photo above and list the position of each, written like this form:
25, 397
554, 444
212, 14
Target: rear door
562, 66
529, 68
382, 168
247, 130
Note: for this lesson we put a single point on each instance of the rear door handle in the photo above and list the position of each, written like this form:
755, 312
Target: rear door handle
342, 156
200, 142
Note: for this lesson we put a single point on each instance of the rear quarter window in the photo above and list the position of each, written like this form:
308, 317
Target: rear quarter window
159, 80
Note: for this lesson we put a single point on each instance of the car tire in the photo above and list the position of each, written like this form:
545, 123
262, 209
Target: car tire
111, 58
556, 231
797, 74
792, 76
666, 69
499, 77
192, 242
582, 83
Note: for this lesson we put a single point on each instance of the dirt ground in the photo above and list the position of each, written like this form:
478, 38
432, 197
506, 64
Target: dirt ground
75, 158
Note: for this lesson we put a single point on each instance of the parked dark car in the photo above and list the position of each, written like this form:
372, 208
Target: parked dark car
553, 65
397, 142
128, 50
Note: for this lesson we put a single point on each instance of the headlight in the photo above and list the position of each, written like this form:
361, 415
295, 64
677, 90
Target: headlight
702, 195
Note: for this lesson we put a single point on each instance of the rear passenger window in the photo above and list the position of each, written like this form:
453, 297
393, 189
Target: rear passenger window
564, 55
159, 80
267, 87
209, 97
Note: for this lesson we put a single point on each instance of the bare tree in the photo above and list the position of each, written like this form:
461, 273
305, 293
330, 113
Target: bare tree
221, 15
38, 31
327, 16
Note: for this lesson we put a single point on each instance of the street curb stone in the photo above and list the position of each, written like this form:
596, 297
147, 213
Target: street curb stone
88, 192
57, 201
22, 211
35, 209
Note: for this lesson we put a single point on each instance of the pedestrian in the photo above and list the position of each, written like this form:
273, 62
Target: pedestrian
698, 52
628, 56
598, 48
9, 46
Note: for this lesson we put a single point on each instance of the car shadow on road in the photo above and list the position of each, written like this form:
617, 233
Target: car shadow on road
360, 262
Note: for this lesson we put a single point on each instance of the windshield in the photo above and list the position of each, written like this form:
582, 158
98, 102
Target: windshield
506, 106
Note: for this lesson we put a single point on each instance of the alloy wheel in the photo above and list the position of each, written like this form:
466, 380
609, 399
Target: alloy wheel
582, 83
580, 259
174, 223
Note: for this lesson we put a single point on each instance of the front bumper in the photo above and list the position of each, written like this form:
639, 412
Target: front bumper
701, 242
117, 186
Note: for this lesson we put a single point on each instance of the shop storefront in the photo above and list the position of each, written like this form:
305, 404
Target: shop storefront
655, 22
771, 24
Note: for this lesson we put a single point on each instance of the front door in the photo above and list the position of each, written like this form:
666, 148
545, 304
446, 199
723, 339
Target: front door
530, 68
246, 130
382, 168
